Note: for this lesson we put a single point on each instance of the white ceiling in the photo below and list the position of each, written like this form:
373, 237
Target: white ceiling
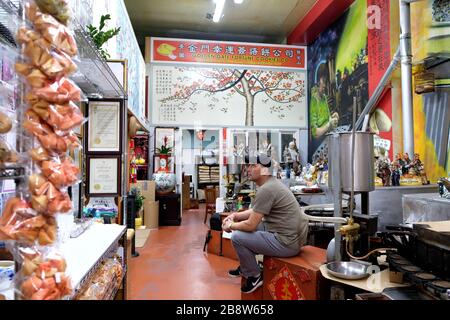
253, 20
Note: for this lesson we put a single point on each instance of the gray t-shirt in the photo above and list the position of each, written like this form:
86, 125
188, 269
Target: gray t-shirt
282, 215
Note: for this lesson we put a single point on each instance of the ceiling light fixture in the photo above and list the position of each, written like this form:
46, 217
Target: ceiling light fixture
238, 1
218, 12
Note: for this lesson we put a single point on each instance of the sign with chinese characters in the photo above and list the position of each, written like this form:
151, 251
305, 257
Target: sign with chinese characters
169, 50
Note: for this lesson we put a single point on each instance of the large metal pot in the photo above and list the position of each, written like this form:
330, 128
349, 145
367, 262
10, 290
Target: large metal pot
363, 164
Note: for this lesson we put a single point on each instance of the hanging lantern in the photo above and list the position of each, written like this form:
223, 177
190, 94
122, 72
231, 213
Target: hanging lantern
200, 134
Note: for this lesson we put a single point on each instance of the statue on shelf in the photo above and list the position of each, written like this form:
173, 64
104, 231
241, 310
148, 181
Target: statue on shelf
419, 169
382, 166
395, 173
406, 164
294, 157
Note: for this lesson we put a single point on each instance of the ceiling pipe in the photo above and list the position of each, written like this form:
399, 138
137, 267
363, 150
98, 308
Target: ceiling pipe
219, 9
406, 72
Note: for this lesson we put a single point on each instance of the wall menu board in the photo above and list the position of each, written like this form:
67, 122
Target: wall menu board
227, 86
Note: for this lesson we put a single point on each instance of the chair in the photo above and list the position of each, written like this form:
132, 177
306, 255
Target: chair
210, 200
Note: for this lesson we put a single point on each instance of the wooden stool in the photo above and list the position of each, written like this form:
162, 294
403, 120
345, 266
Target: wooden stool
295, 278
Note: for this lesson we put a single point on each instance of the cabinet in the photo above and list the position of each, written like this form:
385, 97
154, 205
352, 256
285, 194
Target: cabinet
208, 175
169, 209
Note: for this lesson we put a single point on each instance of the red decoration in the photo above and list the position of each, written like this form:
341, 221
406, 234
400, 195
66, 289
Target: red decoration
284, 287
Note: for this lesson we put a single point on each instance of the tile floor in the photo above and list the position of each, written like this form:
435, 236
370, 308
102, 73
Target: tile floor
173, 266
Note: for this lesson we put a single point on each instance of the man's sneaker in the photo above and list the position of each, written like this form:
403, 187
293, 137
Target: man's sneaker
235, 273
251, 284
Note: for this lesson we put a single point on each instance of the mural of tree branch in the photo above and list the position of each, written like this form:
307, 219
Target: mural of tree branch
280, 94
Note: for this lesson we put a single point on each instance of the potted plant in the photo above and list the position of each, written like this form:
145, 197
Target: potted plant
139, 199
165, 181
100, 37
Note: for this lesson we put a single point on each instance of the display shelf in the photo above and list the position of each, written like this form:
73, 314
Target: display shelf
85, 253
12, 172
114, 289
94, 77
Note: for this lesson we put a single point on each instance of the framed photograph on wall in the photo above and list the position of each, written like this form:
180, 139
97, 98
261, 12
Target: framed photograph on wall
120, 70
104, 175
164, 133
104, 126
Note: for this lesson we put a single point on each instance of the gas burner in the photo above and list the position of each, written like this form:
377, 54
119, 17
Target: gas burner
425, 276
439, 288
409, 268
421, 278
442, 284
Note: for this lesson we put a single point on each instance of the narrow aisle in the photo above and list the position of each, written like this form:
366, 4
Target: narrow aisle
173, 266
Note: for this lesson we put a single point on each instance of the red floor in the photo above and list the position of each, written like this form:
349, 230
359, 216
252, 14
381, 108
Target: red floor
173, 266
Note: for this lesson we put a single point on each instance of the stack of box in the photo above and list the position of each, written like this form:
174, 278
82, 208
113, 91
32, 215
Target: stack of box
151, 207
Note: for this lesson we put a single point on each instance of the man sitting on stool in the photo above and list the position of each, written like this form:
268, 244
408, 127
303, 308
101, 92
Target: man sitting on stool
274, 226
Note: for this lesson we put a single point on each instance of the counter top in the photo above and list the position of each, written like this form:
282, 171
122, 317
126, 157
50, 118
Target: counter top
427, 197
375, 283
83, 253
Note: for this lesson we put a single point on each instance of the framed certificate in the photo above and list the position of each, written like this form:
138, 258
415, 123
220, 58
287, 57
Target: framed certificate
104, 174
104, 126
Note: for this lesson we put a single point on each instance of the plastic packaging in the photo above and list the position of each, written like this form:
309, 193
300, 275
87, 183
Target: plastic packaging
59, 92
7, 154
48, 139
21, 223
57, 8
46, 198
51, 29
61, 173
62, 118
42, 274
6, 123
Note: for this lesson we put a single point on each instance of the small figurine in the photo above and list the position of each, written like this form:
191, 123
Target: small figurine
286, 155
294, 157
406, 164
395, 173
419, 169
383, 171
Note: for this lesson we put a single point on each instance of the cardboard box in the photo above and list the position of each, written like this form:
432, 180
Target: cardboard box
151, 214
147, 189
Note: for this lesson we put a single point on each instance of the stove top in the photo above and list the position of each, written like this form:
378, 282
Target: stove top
421, 280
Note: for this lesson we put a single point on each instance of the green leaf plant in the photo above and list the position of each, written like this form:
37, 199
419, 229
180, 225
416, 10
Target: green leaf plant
100, 37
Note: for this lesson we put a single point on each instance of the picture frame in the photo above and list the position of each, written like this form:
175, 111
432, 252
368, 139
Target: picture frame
105, 126
160, 133
171, 164
103, 175
120, 70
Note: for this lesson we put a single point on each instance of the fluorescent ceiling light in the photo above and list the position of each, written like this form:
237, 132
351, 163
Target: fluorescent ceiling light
219, 8
238, 1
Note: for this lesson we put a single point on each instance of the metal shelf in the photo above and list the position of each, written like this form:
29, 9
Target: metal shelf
94, 77
12, 172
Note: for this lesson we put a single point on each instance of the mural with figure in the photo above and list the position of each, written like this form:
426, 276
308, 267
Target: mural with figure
337, 73
430, 35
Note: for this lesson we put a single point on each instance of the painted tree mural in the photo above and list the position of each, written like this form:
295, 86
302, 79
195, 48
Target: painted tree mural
281, 90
